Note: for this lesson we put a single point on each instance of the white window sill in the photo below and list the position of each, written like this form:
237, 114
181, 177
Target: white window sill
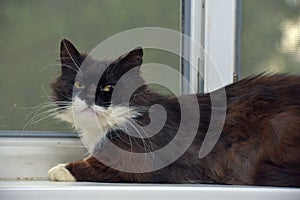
31, 157
24, 163
58, 190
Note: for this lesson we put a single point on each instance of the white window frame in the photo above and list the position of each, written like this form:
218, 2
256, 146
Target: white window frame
213, 26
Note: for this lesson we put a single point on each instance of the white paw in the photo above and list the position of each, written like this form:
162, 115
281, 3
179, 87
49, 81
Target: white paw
60, 173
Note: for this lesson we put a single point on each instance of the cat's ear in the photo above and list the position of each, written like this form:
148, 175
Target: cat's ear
70, 57
131, 59
134, 57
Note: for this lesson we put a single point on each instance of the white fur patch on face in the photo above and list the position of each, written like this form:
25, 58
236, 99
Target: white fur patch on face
94, 122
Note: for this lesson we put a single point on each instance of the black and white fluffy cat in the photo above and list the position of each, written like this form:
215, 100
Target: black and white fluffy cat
259, 143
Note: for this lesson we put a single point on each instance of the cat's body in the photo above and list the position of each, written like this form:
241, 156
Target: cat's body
259, 143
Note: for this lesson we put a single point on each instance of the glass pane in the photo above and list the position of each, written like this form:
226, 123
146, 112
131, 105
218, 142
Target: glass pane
29, 46
270, 36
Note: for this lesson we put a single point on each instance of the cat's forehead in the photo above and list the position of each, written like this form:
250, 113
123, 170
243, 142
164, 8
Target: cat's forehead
93, 65
92, 69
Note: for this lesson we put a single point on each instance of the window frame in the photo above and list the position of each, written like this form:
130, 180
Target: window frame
218, 39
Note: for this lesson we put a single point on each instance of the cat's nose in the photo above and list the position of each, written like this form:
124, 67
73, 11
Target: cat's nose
90, 101
90, 95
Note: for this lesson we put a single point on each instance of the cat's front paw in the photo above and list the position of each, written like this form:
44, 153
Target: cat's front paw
60, 173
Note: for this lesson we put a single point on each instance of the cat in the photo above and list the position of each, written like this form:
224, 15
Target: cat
259, 143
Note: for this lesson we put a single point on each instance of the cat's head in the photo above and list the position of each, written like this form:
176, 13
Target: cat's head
85, 87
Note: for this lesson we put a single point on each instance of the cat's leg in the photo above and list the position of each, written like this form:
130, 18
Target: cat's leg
60, 173
286, 174
89, 169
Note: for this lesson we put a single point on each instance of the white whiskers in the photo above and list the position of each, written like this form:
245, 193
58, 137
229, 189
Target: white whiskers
44, 111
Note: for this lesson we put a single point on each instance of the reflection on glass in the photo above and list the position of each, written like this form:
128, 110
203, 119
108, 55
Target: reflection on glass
270, 37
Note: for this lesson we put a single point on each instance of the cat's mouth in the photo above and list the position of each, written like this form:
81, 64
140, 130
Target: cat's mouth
84, 111
89, 111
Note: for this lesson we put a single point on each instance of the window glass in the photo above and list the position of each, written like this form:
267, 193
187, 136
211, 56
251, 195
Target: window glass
29, 47
270, 40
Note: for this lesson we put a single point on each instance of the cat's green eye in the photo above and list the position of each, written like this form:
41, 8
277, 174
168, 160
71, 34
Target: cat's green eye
79, 85
108, 88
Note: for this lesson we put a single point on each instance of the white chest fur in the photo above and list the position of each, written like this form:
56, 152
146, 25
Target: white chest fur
94, 122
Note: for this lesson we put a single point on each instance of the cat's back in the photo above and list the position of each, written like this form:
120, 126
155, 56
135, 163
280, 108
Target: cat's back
264, 96
261, 135
266, 87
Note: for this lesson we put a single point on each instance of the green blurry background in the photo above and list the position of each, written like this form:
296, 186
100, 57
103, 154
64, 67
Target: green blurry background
31, 31
270, 36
